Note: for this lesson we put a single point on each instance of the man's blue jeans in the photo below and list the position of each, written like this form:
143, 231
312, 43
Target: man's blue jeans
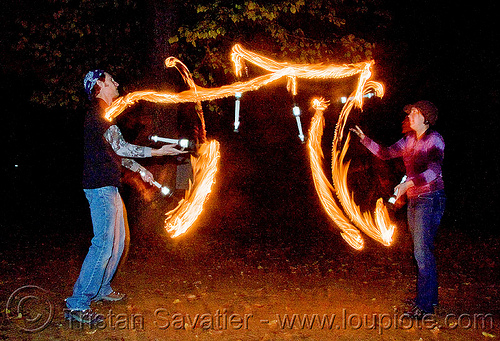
99, 266
424, 217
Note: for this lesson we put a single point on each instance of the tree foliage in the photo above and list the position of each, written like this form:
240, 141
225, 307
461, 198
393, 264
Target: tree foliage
58, 41
294, 30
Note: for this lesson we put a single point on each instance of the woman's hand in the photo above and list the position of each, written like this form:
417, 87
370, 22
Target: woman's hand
402, 188
168, 149
357, 130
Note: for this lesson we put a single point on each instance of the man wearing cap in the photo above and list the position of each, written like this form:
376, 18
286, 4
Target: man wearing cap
105, 151
422, 150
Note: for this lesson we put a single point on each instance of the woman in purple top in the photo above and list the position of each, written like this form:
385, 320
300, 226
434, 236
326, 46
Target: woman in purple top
422, 150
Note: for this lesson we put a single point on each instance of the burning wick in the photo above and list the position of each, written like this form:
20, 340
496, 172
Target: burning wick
296, 113
183, 143
392, 199
165, 191
237, 111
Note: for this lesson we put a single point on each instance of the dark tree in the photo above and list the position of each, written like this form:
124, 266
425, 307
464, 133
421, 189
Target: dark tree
57, 41
294, 30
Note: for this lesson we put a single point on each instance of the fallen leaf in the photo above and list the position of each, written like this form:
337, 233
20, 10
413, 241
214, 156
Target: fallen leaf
273, 324
452, 324
435, 330
488, 335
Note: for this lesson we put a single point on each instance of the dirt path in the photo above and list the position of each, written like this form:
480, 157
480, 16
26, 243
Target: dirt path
206, 288
257, 266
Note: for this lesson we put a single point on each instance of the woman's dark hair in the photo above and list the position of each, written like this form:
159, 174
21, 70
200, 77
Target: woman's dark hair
428, 110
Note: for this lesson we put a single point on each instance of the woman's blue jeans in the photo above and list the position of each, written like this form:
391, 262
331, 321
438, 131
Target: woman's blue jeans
99, 266
424, 216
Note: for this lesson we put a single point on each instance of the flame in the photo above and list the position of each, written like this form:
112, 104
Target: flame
181, 218
383, 222
307, 71
188, 79
277, 71
321, 183
381, 229
199, 94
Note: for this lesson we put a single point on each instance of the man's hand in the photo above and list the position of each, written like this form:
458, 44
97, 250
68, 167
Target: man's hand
168, 149
147, 176
357, 130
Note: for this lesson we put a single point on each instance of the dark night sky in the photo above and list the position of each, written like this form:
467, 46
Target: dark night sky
451, 60
455, 49
441, 50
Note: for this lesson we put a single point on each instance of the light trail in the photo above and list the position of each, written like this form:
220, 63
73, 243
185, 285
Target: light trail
181, 218
380, 229
323, 187
377, 225
189, 96
294, 71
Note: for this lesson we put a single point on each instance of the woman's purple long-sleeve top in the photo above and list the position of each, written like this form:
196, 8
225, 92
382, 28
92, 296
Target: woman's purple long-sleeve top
423, 159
